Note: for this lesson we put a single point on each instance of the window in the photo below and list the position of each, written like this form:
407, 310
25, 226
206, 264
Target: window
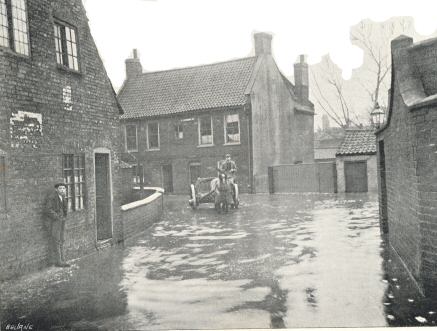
153, 135
131, 138
232, 129
137, 174
205, 130
179, 131
66, 46
74, 178
13, 26
66, 98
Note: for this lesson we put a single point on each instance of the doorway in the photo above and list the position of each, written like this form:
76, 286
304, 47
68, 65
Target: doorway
355, 174
167, 178
194, 170
103, 197
383, 189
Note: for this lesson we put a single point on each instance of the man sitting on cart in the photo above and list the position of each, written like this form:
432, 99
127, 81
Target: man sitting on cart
228, 167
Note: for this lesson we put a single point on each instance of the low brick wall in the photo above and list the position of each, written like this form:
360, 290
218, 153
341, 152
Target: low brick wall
137, 216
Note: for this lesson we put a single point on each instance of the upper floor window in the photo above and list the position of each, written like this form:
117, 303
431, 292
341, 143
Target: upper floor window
179, 131
13, 26
205, 130
66, 46
232, 129
131, 137
153, 135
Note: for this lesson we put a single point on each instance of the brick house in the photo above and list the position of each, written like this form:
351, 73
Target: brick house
179, 123
407, 160
59, 123
356, 162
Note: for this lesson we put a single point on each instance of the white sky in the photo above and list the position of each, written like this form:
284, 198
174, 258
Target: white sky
178, 33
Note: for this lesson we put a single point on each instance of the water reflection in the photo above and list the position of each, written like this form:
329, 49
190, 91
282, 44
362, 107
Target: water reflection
279, 261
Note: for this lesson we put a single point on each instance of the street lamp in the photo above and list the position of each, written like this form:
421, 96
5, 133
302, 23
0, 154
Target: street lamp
378, 116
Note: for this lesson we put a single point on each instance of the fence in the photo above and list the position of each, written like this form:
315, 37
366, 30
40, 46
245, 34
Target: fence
305, 177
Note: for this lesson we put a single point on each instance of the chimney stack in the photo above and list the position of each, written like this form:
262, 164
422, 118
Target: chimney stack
133, 66
263, 43
301, 80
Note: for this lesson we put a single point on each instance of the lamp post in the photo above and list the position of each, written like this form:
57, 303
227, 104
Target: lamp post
378, 116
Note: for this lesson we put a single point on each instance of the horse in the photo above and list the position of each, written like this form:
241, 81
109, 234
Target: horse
223, 192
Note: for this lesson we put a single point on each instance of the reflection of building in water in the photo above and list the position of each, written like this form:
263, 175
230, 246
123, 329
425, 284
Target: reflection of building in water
93, 292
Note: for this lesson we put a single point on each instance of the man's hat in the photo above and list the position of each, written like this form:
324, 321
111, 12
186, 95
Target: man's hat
60, 184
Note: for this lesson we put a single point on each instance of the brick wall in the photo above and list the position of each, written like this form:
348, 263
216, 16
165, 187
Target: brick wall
137, 219
179, 153
35, 85
410, 140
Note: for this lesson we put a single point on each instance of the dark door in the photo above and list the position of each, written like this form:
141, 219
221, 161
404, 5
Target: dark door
194, 172
355, 174
167, 178
383, 189
103, 197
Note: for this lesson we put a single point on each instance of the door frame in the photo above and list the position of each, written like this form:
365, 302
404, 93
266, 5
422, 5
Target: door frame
103, 150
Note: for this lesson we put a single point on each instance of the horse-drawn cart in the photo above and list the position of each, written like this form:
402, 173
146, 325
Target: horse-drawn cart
209, 190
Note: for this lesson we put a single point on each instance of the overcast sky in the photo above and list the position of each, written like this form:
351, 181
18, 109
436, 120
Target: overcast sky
178, 33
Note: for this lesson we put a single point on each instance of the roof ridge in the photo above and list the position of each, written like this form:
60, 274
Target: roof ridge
197, 66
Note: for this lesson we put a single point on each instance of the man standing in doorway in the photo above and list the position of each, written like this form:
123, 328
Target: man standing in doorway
55, 210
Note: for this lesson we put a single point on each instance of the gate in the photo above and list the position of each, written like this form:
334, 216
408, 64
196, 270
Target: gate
304, 177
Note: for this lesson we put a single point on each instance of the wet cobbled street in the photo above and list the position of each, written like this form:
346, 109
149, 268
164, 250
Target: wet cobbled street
279, 261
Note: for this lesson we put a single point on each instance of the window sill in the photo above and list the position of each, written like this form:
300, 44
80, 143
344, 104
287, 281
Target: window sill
209, 145
232, 144
67, 69
152, 149
10, 51
132, 151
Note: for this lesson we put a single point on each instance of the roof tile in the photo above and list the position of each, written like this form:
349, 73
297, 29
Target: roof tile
358, 142
187, 89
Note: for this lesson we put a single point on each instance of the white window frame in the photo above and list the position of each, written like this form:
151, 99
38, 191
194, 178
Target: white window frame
148, 140
225, 124
198, 132
12, 30
136, 137
176, 133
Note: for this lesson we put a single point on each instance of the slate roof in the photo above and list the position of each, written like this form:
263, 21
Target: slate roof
180, 90
358, 142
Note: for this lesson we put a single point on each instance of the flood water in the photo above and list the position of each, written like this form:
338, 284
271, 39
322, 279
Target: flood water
279, 261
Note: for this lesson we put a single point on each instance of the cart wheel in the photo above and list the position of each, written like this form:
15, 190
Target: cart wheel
236, 198
193, 200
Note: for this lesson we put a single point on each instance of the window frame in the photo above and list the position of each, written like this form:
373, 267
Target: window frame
225, 125
136, 137
148, 138
63, 53
199, 132
71, 186
11, 29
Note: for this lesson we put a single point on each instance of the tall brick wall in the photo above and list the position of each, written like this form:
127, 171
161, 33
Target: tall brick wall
181, 152
35, 84
410, 140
